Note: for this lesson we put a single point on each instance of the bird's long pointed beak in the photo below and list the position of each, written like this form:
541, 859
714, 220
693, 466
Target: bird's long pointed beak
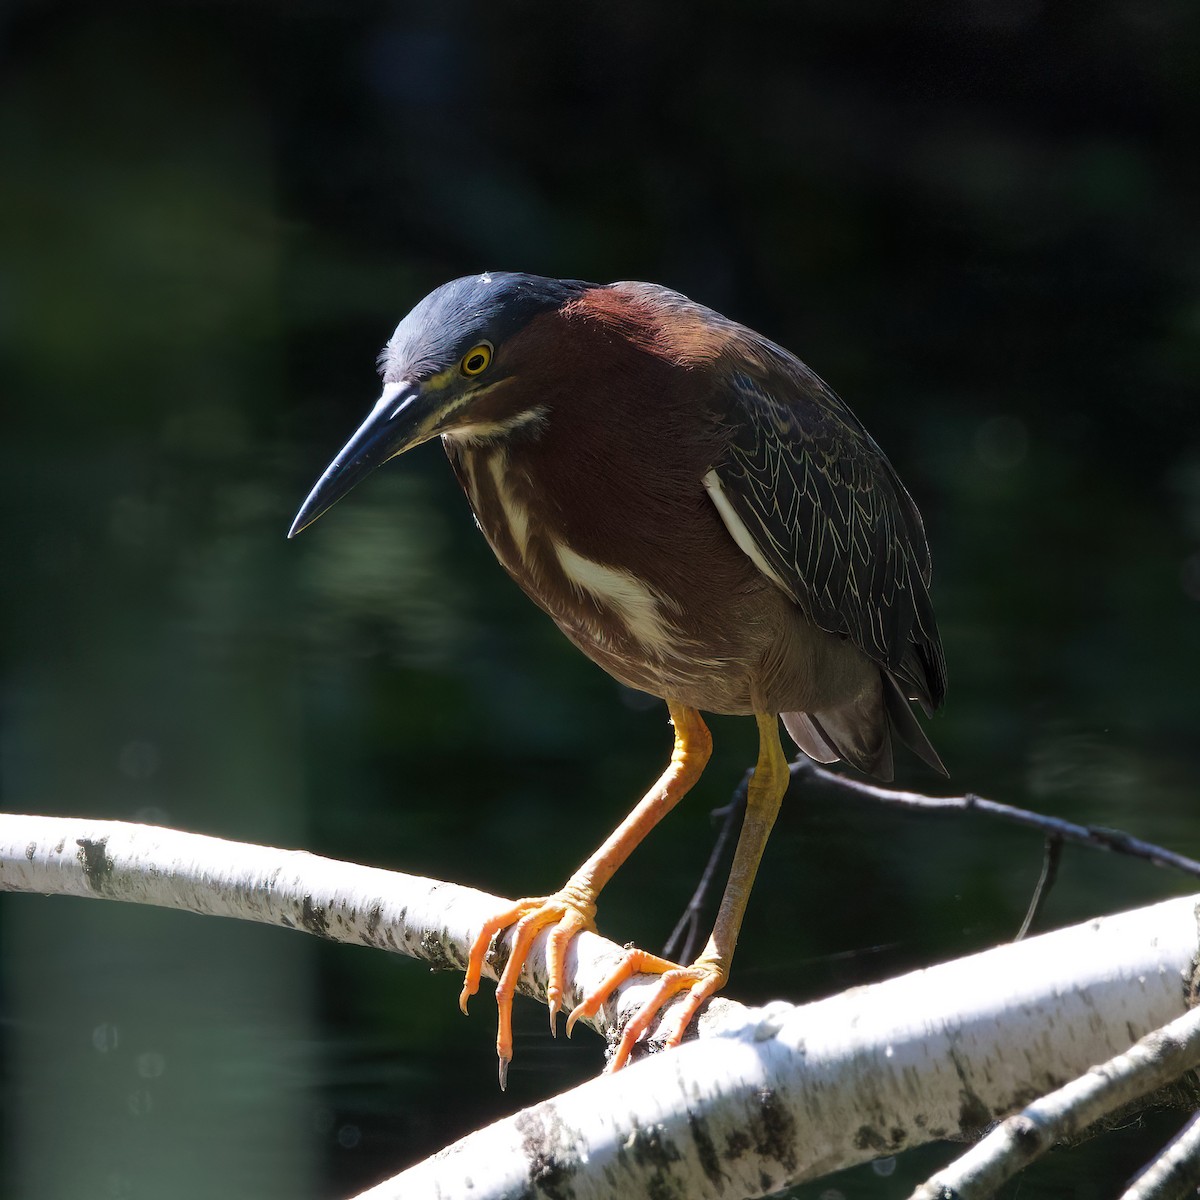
394, 425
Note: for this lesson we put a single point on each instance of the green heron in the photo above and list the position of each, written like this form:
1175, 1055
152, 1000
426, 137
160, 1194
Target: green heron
703, 517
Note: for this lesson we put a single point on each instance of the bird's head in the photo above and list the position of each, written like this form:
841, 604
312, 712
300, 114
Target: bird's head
450, 368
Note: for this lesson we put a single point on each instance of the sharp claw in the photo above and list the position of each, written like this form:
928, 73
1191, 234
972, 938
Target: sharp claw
571, 1019
526, 919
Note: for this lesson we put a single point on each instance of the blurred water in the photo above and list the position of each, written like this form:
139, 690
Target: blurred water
978, 225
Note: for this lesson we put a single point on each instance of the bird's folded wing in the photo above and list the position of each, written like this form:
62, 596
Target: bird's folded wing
824, 515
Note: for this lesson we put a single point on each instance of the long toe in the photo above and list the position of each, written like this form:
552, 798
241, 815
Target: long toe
700, 981
566, 916
633, 962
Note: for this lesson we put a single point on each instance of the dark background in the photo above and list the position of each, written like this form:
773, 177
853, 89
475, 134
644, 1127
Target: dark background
977, 220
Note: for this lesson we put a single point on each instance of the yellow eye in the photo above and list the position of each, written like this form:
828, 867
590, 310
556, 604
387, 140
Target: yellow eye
476, 360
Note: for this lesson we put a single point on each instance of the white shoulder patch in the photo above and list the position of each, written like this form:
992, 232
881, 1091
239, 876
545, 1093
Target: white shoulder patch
741, 535
622, 592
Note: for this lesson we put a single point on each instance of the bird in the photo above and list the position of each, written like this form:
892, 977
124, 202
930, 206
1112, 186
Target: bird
704, 518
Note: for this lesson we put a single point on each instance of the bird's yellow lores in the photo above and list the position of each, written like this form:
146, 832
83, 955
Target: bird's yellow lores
703, 517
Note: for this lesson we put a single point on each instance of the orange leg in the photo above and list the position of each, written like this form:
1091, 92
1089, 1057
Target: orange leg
572, 909
709, 972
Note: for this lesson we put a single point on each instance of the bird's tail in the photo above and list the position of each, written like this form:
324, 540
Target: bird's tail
861, 732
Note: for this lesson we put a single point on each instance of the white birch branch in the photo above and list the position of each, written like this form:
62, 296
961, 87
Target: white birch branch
344, 902
1156, 1060
785, 1094
768, 1098
1175, 1173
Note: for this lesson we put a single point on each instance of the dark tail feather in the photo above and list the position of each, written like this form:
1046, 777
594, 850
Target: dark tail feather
858, 732
861, 733
900, 714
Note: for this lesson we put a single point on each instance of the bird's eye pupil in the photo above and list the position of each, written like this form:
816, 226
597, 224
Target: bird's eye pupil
475, 362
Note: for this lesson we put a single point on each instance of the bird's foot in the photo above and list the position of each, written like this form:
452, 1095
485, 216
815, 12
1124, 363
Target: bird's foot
699, 981
569, 912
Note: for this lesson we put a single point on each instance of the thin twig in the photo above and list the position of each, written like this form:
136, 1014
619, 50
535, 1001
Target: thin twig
1095, 836
1055, 830
1050, 861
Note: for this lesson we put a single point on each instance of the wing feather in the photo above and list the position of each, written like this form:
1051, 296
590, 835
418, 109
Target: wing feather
828, 514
